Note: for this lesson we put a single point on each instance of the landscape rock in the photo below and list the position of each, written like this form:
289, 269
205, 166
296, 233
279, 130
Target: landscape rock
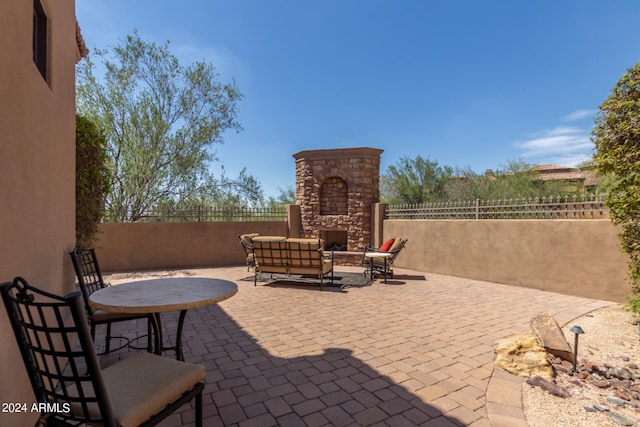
601, 383
621, 395
622, 373
615, 400
606, 384
548, 386
524, 356
550, 335
620, 419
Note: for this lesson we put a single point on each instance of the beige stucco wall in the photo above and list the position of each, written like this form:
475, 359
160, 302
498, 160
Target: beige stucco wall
37, 174
159, 245
575, 257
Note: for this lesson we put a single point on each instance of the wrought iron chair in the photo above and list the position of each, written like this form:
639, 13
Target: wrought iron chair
383, 266
245, 242
85, 264
65, 374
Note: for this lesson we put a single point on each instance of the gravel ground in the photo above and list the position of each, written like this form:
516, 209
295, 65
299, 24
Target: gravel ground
611, 338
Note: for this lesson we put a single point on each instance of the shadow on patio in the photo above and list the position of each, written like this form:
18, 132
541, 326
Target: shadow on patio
247, 386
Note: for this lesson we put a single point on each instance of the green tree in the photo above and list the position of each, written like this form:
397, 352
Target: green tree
286, 196
515, 180
617, 139
92, 180
161, 121
414, 181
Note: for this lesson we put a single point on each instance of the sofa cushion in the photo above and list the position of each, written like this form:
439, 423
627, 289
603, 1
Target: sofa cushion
268, 239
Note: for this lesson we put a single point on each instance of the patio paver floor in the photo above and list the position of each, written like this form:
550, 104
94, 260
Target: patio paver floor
418, 350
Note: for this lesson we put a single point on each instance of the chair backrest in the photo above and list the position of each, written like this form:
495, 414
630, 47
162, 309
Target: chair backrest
245, 242
85, 263
56, 347
396, 249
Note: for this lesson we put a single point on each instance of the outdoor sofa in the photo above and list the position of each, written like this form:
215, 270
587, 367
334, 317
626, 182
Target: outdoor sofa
282, 255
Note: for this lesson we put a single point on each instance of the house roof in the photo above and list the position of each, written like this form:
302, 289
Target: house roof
82, 47
543, 169
551, 172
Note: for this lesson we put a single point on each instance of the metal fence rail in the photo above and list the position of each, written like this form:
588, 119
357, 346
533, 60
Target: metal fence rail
208, 214
560, 207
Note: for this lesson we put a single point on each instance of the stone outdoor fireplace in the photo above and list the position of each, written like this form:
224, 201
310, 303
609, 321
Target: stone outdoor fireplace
336, 190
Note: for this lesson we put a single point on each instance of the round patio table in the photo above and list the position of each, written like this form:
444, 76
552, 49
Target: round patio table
155, 296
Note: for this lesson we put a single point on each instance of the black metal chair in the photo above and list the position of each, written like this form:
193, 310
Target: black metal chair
382, 266
85, 264
65, 374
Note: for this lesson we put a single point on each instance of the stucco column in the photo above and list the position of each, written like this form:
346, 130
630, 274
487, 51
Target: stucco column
378, 212
294, 220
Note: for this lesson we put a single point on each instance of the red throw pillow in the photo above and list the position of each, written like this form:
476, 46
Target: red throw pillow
386, 245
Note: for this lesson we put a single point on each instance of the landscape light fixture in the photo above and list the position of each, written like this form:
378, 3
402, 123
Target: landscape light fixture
577, 330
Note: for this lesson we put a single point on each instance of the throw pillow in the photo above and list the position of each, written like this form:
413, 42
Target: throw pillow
386, 245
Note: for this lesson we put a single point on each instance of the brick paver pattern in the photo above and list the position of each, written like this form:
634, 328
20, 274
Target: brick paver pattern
418, 350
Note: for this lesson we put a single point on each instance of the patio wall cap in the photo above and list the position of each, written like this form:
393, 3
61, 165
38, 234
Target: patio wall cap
339, 153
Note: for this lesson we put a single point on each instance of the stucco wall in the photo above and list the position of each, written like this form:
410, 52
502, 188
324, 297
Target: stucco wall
37, 176
575, 257
159, 245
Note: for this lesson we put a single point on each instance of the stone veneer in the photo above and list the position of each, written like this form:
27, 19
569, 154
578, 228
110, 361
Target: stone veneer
335, 190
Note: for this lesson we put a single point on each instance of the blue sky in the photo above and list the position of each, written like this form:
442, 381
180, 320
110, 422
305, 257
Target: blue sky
467, 83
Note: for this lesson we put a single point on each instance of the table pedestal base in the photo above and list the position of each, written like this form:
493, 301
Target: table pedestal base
156, 323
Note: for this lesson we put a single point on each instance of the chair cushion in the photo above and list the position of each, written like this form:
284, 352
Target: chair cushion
381, 261
142, 385
246, 238
386, 246
396, 245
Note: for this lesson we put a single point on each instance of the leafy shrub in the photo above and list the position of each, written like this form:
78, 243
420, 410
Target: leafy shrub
92, 180
617, 139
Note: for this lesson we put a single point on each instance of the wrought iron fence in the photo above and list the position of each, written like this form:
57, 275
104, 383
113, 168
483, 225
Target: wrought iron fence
205, 214
560, 207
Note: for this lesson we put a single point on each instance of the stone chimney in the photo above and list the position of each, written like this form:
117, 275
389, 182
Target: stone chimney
335, 190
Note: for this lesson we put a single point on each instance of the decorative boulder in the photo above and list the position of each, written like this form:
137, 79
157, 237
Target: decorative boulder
524, 356
551, 337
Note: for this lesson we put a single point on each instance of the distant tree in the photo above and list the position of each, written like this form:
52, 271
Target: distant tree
285, 197
617, 139
603, 181
242, 191
161, 121
464, 184
515, 180
414, 181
